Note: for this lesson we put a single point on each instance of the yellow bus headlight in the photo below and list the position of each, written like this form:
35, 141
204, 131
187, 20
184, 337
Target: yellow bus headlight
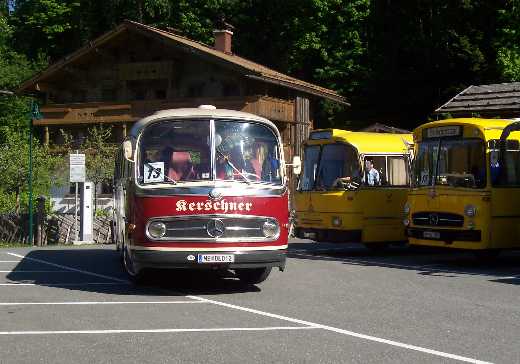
406, 208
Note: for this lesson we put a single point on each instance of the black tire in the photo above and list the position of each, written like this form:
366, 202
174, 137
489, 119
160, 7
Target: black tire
128, 265
253, 275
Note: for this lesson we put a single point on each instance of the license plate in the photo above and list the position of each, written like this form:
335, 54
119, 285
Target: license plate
432, 235
215, 258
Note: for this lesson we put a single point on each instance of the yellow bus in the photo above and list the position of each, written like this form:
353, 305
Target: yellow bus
353, 187
466, 185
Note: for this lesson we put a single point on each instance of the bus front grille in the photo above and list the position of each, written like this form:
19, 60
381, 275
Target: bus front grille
215, 228
437, 219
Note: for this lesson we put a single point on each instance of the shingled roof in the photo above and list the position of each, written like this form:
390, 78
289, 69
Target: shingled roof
248, 68
502, 99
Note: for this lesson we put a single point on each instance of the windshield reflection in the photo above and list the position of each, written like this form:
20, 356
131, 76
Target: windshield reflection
177, 151
451, 162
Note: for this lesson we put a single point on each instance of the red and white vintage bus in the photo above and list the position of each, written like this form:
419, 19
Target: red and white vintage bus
201, 188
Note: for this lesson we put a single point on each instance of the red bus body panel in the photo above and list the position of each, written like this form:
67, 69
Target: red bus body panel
145, 208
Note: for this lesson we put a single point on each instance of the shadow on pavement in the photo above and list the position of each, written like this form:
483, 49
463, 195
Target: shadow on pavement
99, 270
424, 260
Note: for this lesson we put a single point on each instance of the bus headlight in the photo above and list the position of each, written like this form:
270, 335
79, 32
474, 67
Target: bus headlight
406, 222
406, 208
157, 229
336, 221
470, 210
270, 229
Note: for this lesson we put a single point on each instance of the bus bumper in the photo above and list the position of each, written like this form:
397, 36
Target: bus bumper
158, 259
444, 234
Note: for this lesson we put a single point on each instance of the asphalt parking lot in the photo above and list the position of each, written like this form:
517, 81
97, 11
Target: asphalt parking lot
334, 303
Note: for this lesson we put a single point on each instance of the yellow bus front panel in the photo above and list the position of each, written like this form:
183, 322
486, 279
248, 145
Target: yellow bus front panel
438, 217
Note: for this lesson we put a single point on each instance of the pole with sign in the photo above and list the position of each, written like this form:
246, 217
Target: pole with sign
76, 175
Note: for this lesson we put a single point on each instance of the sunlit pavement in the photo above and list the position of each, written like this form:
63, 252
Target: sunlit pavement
335, 303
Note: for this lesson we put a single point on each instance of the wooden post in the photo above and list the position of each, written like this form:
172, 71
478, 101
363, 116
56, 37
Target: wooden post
46, 136
40, 220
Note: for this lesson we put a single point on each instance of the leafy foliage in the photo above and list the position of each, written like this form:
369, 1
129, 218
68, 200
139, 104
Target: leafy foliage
395, 61
14, 171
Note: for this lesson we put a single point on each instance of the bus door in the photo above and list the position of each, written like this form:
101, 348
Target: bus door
382, 194
505, 193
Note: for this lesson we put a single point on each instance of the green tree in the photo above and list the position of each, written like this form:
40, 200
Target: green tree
508, 41
100, 157
14, 171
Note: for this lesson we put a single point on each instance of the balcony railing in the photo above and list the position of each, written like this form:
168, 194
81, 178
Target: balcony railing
92, 113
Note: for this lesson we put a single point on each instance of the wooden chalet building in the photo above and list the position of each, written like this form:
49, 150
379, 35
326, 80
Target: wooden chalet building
135, 69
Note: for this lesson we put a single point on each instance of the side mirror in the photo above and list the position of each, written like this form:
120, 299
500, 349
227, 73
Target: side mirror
128, 152
297, 165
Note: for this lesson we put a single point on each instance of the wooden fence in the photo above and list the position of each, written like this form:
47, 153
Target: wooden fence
54, 229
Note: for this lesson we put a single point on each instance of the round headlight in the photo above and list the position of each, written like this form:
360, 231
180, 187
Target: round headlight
157, 229
470, 210
270, 229
406, 208
406, 222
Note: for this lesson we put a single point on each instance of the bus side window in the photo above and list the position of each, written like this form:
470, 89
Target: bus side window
397, 171
377, 177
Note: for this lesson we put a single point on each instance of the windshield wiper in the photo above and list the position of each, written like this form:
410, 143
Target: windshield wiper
158, 170
233, 166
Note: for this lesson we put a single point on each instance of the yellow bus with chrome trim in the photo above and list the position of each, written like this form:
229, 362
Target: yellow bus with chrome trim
466, 185
353, 187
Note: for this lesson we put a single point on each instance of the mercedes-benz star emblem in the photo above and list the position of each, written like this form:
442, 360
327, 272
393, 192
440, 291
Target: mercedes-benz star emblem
215, 194
434, 219
215, 228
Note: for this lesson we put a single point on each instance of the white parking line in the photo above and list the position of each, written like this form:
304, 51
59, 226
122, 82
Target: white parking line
69, 268
95, 303
218, 329
34, 271
66, 284
344, 332
10, 261
309, 324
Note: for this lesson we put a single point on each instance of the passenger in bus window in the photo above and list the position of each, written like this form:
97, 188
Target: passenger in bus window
371, 177
178, 165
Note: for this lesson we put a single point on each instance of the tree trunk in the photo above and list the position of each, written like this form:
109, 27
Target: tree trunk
17, 203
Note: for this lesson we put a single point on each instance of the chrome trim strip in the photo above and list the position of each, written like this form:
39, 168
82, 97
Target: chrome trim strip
227, 191
239, 228
187, 228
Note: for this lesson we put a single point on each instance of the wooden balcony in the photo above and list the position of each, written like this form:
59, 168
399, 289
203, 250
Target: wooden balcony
94, 113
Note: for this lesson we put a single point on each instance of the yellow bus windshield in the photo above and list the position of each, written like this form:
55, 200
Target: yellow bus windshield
323, 165
454, 162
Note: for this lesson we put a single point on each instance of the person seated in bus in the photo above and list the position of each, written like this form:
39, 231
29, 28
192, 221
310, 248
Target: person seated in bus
372, 176
270, 168
179, 165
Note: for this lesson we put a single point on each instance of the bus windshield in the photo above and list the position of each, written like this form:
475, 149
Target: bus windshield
321, 171
181, 151
451, 162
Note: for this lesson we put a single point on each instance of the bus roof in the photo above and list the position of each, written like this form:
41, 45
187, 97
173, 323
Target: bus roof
364, 142
489, 128
197, 113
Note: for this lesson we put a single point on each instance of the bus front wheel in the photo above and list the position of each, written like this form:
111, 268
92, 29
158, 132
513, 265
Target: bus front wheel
137, 277
253, 275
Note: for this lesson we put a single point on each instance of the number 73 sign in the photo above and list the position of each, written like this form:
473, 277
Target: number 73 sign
154, 172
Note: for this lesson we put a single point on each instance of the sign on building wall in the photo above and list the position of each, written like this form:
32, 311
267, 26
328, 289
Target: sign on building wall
77, 167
